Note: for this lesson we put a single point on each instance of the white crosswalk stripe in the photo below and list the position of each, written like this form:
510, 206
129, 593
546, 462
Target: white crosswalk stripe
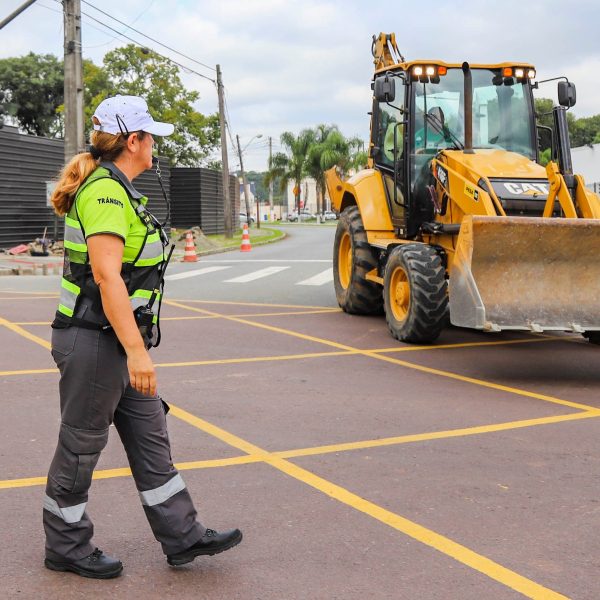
194, 273
319, 279
256, 275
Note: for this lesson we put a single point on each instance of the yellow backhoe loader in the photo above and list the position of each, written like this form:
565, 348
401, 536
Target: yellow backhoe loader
454, 220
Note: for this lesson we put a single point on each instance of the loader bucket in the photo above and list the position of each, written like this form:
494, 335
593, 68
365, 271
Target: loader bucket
526, 273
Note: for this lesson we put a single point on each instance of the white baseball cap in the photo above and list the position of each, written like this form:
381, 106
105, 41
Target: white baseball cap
126, 114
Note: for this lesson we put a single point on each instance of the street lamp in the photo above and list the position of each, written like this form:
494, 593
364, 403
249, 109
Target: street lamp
244, 182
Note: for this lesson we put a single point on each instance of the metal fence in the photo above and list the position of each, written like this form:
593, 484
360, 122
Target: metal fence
198, 199
27, 162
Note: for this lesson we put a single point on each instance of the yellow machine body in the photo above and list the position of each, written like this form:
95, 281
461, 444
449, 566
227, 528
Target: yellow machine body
504, 272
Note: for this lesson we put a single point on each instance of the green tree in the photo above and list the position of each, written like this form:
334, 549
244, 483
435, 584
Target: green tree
331, 148
585, 131
132, 71
32, 92
291, 164
319, 160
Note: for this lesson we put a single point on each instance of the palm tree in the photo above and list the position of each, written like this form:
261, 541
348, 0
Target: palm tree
319, 157
291, 165
332, 148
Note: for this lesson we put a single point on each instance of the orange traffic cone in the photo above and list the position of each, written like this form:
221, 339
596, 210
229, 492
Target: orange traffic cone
190, 249
245, 247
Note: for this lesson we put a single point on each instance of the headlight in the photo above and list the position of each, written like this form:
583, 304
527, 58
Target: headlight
519, 73
418, 71
531, 73
430, 71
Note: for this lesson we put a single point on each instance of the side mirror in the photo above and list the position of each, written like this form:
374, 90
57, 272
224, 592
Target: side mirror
385, 89
567, 95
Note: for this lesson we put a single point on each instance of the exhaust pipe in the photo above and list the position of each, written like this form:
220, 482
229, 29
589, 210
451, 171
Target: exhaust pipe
468, 149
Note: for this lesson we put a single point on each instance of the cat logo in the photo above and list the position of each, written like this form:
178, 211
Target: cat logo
471, 192
527, 189
521, 190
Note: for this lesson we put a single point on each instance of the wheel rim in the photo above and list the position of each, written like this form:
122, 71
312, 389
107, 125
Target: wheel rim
399, 294
345, 260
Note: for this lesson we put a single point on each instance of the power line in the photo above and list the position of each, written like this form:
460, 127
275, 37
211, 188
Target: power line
143, 46
148, 37
115, 37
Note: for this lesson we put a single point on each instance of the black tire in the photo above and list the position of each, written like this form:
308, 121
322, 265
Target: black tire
355, 294
593, 337
415, 294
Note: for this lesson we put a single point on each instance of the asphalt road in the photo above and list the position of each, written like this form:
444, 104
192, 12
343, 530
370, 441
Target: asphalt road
356, 466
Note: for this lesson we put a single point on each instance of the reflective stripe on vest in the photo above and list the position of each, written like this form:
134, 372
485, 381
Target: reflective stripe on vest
74, 239
151, 254
68, 297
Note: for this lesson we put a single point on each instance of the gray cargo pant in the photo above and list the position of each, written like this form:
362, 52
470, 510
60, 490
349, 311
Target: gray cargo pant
94, 391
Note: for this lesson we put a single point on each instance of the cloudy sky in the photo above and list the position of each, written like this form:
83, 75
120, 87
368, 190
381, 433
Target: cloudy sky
289, 64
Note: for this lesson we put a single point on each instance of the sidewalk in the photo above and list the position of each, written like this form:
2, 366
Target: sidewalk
23, 264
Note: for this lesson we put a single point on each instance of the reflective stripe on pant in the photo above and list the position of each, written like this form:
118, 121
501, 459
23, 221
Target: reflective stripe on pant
94, 391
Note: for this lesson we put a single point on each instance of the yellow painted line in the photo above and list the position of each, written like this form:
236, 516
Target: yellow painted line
445, 545
126, 472
230, 361
396, 361
436, 435
320, 450
204, 317
27, 372
28, 297
464, 345
49, 294
24, 333
228, 303
328, 449
20, 483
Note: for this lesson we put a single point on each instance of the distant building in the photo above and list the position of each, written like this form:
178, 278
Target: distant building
586, 162
308, 196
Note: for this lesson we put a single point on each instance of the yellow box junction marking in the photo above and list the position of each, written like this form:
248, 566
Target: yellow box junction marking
449, 374
422, 534
25, 333
331, 448
414, 530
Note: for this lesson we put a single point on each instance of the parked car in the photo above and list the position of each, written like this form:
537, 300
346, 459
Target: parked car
305, 215
329, 215
244, 218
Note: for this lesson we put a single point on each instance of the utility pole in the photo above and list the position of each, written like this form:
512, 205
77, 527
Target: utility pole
244, 182
270, 180
74, 131
224, 162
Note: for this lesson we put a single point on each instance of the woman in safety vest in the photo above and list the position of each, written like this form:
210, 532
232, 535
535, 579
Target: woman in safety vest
105, 323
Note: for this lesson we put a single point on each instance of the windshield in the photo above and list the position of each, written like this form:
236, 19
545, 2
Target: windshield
502, 113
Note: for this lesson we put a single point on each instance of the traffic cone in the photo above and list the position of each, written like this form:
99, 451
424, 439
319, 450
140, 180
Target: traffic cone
245, 247
190, 249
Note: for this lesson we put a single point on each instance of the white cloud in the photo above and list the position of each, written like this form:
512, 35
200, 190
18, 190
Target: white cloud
289, 64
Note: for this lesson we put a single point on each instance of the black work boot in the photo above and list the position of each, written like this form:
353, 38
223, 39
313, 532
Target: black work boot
212, 542
97, 565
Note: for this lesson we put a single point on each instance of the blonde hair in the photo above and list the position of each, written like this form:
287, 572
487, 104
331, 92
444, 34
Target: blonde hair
107, 147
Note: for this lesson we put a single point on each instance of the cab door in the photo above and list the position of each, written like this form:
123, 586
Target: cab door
388, 136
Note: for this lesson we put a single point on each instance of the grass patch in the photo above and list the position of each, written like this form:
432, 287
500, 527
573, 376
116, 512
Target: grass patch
212, 244
257, 236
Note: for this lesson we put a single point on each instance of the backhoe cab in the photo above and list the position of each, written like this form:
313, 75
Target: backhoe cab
454, 218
